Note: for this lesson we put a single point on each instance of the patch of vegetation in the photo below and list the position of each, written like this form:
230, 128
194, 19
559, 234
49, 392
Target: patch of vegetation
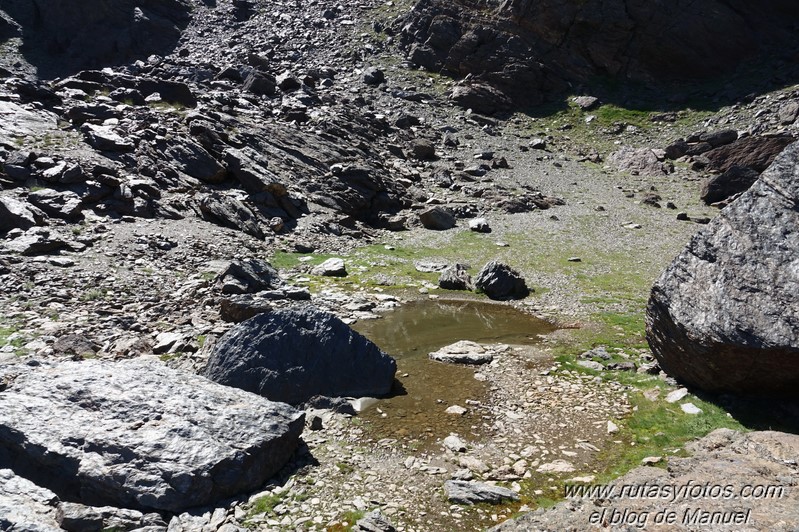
347, 521
93, 294
657, 428
10, 335
166, 106
266, 504
166, 357
345, 468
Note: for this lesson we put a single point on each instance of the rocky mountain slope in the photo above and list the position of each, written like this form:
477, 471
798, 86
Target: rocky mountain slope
530, 50
147, 175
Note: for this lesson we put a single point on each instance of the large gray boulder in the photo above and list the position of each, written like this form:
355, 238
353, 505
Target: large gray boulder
724, 316
293, 354
140, 435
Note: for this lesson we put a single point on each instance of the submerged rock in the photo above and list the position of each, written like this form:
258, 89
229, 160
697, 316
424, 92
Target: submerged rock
463, 352
294, 354
724, 316
138, 434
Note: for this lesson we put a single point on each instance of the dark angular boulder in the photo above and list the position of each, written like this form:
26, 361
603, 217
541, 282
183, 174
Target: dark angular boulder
230, 212
293, 354
260, 83
756, 153
437, 218
373, 76
480, 98
735, 180
249, 276
723, 316
500, 281
58, 204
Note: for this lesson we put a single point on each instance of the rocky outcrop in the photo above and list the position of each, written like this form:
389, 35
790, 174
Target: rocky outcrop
248, 276
530, 49
294, 354
68, 36
139, 435
723, 316
731, 464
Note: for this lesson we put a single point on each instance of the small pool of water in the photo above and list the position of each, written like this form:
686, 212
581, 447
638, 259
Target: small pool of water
412, 331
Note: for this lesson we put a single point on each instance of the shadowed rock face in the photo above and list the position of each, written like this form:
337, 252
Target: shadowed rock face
724, 315
65, 35
292, 355
529, 48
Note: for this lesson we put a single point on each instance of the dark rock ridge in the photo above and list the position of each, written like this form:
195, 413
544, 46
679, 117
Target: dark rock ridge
530, 49
61, 35
136, 434
723, 316
722, 458
294, 354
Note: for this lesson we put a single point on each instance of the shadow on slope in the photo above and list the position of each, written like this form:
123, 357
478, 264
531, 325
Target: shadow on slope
61, 37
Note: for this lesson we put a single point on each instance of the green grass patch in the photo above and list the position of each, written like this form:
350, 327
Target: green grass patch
345, 468
266, 504
346, 521
94, 294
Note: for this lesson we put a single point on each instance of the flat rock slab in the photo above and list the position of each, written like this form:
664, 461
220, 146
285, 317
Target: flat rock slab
463, 492
750, 477
463, 352
137, 434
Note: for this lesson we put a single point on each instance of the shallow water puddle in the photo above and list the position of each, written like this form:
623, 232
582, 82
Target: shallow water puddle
412, 331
